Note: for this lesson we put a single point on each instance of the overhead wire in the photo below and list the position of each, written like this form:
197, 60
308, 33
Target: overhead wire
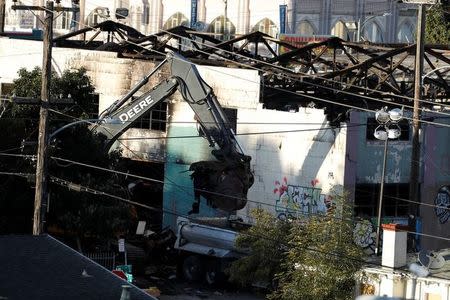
287, 245
208, 45
302, 81
358, 108
294, 212
291, 92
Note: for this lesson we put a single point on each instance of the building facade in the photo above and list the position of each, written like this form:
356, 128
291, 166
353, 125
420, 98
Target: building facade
382, 21
298, 158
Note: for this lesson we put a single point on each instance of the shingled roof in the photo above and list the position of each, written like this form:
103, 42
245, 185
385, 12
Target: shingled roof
41, 267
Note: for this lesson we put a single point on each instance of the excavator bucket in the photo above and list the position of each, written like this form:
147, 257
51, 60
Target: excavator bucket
223, 185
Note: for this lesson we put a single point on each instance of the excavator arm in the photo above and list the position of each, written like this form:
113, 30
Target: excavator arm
223, 182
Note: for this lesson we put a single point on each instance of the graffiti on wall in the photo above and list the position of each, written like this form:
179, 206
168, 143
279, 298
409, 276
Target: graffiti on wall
364, 235
442, 202
295, 200
365, 231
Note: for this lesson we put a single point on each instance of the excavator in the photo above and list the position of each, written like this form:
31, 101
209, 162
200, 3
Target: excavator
223, 182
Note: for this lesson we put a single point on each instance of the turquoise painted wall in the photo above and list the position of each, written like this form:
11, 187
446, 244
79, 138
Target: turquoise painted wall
178, 188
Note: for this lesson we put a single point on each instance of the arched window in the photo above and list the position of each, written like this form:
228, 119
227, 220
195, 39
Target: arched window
98, 15
305, 28
340, 30
218, 26
177, 19
372, 32
266, 26
405, 33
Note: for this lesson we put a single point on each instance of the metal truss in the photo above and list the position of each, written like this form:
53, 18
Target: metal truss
331, 69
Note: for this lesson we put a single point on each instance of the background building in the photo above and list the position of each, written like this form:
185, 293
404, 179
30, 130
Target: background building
382, 21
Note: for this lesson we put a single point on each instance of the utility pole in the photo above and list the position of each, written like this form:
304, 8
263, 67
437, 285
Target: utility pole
40, 200
41, 167
2, 16
415, 154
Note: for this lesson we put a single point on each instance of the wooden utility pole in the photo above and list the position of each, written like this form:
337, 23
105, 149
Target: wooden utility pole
2, 16
40, 198
41, 167
415, 155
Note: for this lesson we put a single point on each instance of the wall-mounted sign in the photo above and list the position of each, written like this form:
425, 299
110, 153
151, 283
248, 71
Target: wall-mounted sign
283, 9
193, 13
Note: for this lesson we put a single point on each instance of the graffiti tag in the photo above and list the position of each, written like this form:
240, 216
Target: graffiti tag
297, 200
442, 203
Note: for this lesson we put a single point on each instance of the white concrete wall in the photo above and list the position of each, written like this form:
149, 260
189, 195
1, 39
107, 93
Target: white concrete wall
296, 164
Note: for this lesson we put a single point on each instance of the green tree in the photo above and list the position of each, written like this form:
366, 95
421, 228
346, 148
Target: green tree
265, 242
322, 259
78, 213
312, 257
437, 29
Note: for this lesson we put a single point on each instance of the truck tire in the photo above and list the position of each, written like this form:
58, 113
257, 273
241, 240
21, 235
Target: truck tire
213, 273
193, 268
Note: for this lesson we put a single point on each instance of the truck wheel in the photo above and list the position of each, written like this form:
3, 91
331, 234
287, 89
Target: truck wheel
211, 277
193, 268
213, 274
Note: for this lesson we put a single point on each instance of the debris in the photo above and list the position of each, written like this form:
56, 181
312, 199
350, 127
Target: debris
154, 291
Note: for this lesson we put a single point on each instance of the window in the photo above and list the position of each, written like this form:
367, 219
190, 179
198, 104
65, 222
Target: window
372, 32
218, 26
177, 19
146, 15
367, 197
98, 15
305, 28
405, 33
341, 31
231, 114
156, 119
63, 20
266, 26
6, 89
372, 124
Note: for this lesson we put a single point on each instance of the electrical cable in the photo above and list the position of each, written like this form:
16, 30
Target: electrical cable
286, 245
298, 80
375, 99
298, 94
200, 190
283, 68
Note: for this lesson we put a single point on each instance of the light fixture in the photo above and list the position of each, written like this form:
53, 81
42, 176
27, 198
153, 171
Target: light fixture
382, 116
388, 128
394, 133
396, 114
380, 133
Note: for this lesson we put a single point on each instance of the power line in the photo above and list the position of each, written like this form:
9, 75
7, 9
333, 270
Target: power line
289, 70
296, 79
27, 175
201, 190
339, 255
299, 94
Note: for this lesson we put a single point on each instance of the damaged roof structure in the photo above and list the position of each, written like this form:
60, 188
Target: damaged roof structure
317, 74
